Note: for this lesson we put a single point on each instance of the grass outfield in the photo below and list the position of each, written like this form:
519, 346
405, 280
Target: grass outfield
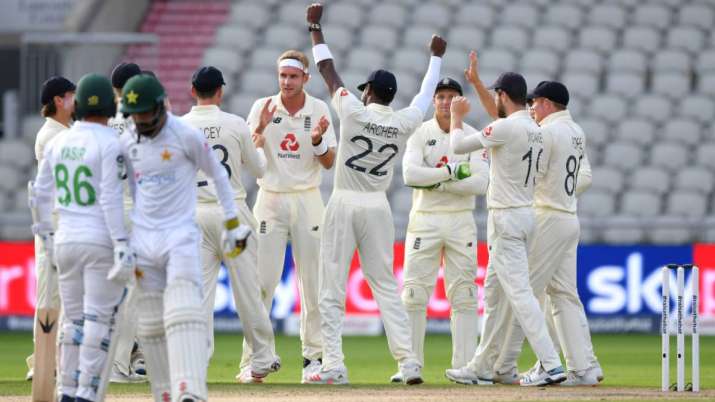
631, 364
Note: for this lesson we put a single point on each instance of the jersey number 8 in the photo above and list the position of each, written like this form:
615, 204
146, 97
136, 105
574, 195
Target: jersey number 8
79, 189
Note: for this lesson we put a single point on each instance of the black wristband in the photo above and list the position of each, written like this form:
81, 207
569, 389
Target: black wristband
314, 27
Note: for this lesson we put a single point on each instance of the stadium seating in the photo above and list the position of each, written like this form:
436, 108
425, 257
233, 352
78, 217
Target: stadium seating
641, 75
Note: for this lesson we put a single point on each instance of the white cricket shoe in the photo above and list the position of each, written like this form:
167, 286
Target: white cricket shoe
311, 368
597, 371
465, 375
259, 373
509, 378
337, 376
411, 373
30, 373
588, 379
138, 365
245, 377
541, 377
397, 378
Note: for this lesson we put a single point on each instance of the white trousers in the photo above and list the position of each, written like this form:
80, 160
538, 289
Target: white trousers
507, 287
433, 237
126, 320
245, 285
363, 221
86, 294
552, 264
296, 217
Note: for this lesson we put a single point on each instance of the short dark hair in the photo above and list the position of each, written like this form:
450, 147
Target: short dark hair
519, 100
206, 94
48, 110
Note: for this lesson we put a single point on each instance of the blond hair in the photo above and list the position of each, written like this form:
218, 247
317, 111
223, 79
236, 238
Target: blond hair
295, 55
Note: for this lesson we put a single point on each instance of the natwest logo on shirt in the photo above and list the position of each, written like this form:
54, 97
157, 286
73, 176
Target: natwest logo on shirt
442, 161
290, 143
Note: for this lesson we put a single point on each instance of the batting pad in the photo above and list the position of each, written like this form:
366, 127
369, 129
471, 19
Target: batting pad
70, 339
187, 338
150, 331
92, 356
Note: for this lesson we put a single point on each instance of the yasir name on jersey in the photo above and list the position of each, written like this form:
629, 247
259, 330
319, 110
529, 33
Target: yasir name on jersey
72, 153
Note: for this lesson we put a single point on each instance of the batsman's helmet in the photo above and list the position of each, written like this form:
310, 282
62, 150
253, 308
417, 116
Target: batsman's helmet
141, 94
95, 97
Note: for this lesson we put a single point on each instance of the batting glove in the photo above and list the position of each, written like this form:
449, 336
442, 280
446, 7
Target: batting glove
459, 170
234, 237
124, 263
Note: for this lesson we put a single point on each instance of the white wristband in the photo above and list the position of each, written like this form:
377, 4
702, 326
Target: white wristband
321, 52
320, 149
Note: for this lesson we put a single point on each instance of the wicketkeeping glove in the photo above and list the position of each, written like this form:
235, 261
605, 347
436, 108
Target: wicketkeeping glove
459, 170
234, 237
125, 261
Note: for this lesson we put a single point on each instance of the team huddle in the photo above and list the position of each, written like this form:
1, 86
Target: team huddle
135, 209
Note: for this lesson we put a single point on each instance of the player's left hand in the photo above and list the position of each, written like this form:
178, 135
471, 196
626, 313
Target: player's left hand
124, 263
319, 130
234, 237
314, 13
459, 106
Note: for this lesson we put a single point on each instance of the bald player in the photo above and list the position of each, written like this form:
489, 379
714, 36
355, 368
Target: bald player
515, 149
552, 252
358, 214
229, 137
289, 206
442, 227
57, 98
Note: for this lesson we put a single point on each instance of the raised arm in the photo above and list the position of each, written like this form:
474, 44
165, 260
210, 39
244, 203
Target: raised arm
321, 53
485, 98
423, 99
459, 142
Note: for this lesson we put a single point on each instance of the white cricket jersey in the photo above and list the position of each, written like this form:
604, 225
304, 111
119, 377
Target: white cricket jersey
423, 165
162, 173
291, 164
120, 123
370, 138
230, 138
566, 143
515, 147
47, 132
123, 126
82, 169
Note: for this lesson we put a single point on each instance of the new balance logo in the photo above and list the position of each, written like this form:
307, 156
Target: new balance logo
277, 120
262, 229
469, 244
418, 241
315, 228
431, 143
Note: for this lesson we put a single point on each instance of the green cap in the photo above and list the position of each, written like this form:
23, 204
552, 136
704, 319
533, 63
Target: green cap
141, 94
94, 96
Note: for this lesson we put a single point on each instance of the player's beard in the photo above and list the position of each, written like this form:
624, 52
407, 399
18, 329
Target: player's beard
501, 110
151, 128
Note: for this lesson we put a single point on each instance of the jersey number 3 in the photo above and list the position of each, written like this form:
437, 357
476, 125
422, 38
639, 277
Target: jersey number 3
375, 170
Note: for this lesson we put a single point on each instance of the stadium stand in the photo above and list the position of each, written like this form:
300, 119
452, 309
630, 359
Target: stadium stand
641, 75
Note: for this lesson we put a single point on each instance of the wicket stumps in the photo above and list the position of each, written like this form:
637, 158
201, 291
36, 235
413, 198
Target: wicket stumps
680, 385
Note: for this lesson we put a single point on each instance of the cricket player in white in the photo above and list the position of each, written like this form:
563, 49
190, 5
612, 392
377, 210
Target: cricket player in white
129, 363
80, 176
552, 252
515, 149
230, 139
358, 214
163, 159
289, 206
57, 98
442, 227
